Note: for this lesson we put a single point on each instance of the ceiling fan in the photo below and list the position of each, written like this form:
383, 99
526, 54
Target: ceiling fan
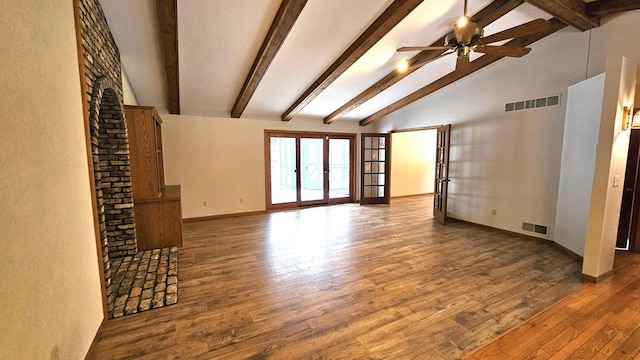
468, 36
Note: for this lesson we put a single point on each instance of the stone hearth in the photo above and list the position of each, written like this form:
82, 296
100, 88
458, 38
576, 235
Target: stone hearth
147, 280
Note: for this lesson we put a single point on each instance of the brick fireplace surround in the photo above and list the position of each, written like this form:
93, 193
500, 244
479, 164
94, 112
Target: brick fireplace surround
133, 281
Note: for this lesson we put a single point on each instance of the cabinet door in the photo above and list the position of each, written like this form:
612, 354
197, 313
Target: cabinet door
158, 224
144, 142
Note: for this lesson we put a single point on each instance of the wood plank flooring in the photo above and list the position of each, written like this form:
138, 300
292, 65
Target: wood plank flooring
348, 282
600, 321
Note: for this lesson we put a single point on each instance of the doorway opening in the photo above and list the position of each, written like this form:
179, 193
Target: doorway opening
628, 225
414, 149
308, 168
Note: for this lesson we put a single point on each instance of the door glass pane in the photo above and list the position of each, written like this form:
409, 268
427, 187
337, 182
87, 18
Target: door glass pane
374, 166
312, 166
339, 168
283, 170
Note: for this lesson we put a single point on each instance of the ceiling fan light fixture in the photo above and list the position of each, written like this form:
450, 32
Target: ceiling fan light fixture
402, 65
467, 33
462, 21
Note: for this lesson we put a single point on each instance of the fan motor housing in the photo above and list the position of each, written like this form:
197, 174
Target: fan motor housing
464, 34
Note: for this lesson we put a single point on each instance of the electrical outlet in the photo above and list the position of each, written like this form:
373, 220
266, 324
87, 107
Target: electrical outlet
241, 201
205, 203
494, 212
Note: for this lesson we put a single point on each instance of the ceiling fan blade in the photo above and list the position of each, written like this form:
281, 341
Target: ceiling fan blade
511, 51
532, 27
421, 48
462, 62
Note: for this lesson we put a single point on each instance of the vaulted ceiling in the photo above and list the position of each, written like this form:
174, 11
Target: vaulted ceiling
325, 59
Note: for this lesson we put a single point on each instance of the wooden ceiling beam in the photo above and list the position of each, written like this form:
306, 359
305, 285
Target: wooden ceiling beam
168, 20
573, 12
609, 7
484, 17
397, 11
287, 15
555, 25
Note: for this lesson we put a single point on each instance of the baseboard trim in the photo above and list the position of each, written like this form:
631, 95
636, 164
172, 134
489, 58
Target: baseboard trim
596, 279
410, 196
501, 230
546, 241
223, 216
91, 353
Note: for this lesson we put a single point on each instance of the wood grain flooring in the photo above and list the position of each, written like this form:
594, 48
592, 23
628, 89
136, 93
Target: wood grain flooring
600, 321
348, 282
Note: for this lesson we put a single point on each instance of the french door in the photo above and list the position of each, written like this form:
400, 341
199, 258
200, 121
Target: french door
375, 170
308, 168
441, 174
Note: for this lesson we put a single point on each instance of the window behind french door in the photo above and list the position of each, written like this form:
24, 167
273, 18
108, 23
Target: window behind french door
304, 168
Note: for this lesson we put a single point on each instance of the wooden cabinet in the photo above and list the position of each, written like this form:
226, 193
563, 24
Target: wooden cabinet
156, 207
145, 151
159, 220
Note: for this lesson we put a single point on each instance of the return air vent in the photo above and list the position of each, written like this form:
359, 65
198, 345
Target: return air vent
538, 229
533, 103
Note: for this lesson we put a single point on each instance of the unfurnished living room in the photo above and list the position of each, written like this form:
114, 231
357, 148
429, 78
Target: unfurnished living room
320, 179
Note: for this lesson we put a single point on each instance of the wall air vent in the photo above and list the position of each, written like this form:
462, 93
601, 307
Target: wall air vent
552, 100
538, 229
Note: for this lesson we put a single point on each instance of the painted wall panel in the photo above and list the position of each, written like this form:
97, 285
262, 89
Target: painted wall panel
50, 288
581, 128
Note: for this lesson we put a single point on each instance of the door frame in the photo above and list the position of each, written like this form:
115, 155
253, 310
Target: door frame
268, 134
628, 225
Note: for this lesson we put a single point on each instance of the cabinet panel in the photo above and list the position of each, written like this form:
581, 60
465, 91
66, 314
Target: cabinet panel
159, 221
145, 149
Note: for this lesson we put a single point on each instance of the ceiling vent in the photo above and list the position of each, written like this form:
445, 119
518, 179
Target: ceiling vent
552, 100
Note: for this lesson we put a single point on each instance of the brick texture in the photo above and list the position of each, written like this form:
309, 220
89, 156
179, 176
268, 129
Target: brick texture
109, 143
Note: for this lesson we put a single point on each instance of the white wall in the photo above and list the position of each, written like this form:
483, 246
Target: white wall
610, 162
128, 94
581, 128
50, 287
511, 161
221, 160
413, 156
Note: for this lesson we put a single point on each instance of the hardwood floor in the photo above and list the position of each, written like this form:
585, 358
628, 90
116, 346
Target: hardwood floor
600, 321
345, 282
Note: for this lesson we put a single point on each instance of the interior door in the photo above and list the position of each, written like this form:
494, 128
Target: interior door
375, 169
441, 174
628, 223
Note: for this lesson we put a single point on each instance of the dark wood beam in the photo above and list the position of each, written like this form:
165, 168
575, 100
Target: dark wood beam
609, 7
168, 19
555, 25
287, 15
397, 11
572, 12
484, 17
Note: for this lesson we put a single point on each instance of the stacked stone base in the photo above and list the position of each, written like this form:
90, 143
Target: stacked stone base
148, 280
